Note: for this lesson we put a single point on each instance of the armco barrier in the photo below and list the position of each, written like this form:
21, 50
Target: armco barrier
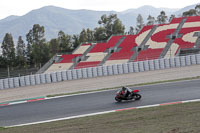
182, 60
100, 71
6, 83
74, 74
42, 78
22, 81
79, 73
94, 71
141, 66
151, 65
177, 62
135, 67
59, 76
167, 65
11, 82
198, 58
105, 70
32, 79
115, 70
146, 65
125, 67
193, 59
162, 63
1, 84
172, 62
53, 77
120, 69
48, 78
157, 64
69, 75
84, 72
131, 67
37, 79
89, 72
16, 82
188, 60
27, 80
110, 70
64, 75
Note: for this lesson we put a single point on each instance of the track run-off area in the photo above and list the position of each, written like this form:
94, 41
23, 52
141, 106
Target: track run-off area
76, 105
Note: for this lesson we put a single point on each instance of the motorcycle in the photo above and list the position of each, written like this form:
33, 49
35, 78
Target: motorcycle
133, 95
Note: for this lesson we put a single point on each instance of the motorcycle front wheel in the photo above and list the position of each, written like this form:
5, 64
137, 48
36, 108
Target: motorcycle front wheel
138, 96
117, 99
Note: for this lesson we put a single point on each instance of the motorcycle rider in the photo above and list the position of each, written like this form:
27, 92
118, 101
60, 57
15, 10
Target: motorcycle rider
126, 92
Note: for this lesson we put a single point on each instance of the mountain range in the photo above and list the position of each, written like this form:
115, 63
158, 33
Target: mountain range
71, 22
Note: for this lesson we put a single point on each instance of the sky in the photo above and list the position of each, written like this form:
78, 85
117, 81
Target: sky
21, 7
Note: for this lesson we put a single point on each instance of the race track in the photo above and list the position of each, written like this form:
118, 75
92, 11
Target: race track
96, 102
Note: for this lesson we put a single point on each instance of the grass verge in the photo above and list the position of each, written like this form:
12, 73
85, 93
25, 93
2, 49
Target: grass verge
179, 118
141, 84
2, 128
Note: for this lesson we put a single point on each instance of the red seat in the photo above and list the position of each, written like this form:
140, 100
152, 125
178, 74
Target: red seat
68, 58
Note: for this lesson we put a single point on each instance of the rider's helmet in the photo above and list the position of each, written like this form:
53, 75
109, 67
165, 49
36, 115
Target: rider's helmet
123, 88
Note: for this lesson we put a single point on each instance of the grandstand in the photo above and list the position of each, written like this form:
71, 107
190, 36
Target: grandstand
152, 42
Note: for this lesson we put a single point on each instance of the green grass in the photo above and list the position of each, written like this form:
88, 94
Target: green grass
141, 84
179, 118
2, 128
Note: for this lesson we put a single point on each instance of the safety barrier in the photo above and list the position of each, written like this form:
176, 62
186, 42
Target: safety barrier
91, 72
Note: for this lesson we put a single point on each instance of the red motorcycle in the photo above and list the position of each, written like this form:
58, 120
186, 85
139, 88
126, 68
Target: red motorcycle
134, 94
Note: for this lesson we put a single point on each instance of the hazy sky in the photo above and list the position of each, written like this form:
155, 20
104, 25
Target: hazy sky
21, 7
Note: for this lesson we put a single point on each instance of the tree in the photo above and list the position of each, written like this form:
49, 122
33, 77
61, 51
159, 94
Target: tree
171, 17
100, 34
2, 62
140, 23
76, 42
191, 12
83, 36
29, 48
90, 35
53, 47
162, 18
151, 20
36, 45
131, 30
197, 8
64, 42
109, 25
21, 52
118, 27
8, 49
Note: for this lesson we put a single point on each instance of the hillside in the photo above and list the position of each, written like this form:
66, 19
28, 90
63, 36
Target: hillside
70, 21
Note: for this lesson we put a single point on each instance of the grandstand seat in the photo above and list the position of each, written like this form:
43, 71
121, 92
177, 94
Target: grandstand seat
58, 67
82, 48
126, 47
97, 53
158, 41
101, 47
87, 64
68, 58
124, 51
149, 54
188, 39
